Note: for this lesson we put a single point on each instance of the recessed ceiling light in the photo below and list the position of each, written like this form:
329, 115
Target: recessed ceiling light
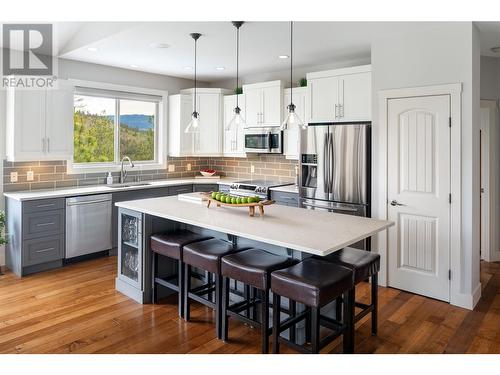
220, 68
283, 57
92, 49
496, 49
134, 66
188, 67
159, 45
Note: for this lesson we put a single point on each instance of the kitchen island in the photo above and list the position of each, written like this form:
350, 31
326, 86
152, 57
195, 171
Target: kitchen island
285, 230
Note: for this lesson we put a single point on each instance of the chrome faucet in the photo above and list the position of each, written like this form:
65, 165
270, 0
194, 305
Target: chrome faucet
123, 173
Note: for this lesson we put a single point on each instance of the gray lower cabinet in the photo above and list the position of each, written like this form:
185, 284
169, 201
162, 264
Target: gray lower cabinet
36, 235
285, 198
206, 187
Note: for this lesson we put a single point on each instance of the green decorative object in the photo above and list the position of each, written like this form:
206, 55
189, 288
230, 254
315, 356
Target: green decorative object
303, 82
3, 240
238, 90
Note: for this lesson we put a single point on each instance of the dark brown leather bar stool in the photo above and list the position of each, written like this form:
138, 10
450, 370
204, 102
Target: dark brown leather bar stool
207, 256
171, 245
365, 264
252, 267
315, 283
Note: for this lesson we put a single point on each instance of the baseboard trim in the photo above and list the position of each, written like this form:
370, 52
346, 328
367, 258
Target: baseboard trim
467, 301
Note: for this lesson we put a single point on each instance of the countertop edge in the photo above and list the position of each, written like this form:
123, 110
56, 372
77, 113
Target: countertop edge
102, 189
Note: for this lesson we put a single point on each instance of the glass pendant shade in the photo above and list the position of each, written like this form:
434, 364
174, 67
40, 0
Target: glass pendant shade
292, 119
236, 121
194, 124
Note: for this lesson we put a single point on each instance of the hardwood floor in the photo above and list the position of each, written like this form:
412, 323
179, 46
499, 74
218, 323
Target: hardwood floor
77, 310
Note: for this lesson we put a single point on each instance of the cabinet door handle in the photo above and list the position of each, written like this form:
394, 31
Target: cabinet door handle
45, 224
45, 205
48, 145
43, 145
336, 107
342, 110
45, 250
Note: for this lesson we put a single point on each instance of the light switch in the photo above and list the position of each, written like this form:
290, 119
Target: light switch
188, 166
30, 176
13, 176
171, 167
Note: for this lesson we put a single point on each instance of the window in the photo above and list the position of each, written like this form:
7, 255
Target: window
109, 125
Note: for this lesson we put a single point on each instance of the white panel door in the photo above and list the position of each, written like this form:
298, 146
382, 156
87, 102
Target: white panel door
271, 106
59, 122
418, 195
323, 99
253, 106
28, 125
355, 97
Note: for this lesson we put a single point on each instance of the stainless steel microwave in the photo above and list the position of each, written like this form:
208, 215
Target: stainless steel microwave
264, 140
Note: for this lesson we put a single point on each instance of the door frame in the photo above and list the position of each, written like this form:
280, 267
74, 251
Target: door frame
381, 180
484, 167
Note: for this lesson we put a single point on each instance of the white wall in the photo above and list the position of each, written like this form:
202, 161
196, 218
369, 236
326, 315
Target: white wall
440, 53
100, 73
490, 90
298, 73
490, 77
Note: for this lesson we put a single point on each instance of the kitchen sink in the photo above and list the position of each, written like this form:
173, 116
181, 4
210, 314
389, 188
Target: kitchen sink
127, 184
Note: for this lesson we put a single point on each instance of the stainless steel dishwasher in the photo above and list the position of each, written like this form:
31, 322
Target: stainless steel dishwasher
88, 224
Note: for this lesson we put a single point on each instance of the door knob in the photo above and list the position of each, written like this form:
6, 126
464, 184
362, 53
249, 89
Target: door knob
395, 203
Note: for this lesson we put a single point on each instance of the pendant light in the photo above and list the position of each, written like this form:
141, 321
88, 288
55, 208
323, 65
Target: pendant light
237, 119
292, 118
194, 124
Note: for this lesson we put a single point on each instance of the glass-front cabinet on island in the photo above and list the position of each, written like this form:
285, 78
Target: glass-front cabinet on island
130, 280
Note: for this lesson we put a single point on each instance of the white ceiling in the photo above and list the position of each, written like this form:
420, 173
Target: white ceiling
123, 44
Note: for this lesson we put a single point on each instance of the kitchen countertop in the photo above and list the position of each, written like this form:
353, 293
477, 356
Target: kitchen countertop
310, 231
287, 189
102, 189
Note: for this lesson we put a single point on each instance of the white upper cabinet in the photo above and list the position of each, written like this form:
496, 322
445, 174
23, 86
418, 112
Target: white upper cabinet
40, 123
264, 103
234, 139
341, 95
291, 147
208, 140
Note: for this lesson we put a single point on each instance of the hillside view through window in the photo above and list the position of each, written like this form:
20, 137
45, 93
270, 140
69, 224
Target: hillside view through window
106, 129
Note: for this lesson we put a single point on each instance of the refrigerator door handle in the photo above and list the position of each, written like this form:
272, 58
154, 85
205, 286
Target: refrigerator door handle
331, 171
326, 164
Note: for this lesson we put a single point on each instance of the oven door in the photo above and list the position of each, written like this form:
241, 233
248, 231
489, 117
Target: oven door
263, 141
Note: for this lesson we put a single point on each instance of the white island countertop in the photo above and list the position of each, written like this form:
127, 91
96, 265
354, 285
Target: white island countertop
314, 232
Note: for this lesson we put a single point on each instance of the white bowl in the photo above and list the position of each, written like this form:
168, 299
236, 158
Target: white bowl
207, 174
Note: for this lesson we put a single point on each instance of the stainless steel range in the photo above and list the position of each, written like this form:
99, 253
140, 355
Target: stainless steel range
260, 188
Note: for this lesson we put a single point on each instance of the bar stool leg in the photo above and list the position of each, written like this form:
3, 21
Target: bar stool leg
218, 305
338, 309
315, 329
246, 295
265, 321
348, 337
225, 304
187, 288
209, 281
374, 300
253, 296
180, 277
276, 323
155, 273
292, 306
308, 325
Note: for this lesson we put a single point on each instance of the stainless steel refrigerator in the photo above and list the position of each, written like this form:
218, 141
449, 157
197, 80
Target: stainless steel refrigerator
335, 164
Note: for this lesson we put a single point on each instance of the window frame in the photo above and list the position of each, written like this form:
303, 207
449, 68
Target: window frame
160, 139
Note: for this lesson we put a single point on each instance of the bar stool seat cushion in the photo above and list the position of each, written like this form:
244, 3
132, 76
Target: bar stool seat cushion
313, 282
254, 267
363, 263
207, 254
170, 244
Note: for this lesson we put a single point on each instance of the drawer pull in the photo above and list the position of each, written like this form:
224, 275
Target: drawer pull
45, 250
44, 224
46, 205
